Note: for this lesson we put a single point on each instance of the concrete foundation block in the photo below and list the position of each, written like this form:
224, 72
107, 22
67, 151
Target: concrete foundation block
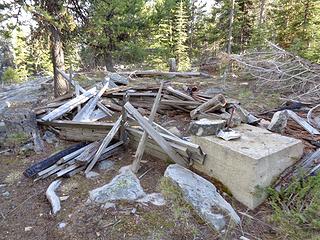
248, 165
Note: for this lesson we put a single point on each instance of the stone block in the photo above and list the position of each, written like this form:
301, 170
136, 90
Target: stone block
248, 165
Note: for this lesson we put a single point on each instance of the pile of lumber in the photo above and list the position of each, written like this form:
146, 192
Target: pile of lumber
79, 117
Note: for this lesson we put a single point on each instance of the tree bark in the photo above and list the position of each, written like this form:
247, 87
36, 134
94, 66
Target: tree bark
109, 61
61, 86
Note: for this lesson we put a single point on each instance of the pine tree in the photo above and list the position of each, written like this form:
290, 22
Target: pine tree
181, 38
21, 54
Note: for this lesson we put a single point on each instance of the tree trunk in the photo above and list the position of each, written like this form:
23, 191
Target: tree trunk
261, 12
230, 27
109, 61
61, 86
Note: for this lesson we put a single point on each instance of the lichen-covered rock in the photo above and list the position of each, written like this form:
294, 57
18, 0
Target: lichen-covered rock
202, 196
278, 122
125, 186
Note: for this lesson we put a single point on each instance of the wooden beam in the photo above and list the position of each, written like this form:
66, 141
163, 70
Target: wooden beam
86, 111
71, 124
141, 147
155, 135
68, 106
104, 144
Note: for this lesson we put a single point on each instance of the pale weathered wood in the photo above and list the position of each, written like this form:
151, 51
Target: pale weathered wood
155, 135
81, 89
87, 110
303, 123
71, 124
123, 133
215, 103
179, 94
88, 153
97, 115
140, 150
52, 196
184, 148
104, 144
68, 106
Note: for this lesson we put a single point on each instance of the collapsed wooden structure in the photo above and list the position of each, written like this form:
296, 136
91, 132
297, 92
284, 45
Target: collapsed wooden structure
81, 117
78, 118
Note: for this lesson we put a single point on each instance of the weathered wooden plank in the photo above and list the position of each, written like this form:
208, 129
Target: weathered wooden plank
43, 164
303, 123
97, 115
71, 124
87, 110
155, 135
68, 106
88, 153
123, 133
104, 144
74, 83
141, 147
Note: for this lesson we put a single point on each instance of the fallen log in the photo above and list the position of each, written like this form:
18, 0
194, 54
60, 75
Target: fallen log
166, 74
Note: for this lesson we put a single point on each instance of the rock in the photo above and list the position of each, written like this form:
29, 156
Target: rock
202, 196
27, 229
108, 205
27, 147
154, 198
206, 127
278, 122
92, 175
125, 186
175, 131
62, 225
105, 165
6, 194
117, 78
21, 123
50, 137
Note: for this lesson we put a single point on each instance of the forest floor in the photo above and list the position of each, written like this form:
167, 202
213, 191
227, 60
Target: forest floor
25, 211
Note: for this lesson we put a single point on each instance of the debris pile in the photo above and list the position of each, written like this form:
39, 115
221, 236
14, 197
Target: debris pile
279, 70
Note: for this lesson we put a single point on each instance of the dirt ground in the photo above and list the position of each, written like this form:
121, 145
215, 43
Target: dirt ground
25, 211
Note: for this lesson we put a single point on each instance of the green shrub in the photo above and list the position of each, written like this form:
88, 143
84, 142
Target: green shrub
297, 209
10, 75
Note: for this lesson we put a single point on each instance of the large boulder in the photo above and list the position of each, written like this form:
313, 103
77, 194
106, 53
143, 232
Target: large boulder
202, 196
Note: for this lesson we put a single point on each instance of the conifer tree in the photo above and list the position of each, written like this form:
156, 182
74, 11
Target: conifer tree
181, 38
21, 55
